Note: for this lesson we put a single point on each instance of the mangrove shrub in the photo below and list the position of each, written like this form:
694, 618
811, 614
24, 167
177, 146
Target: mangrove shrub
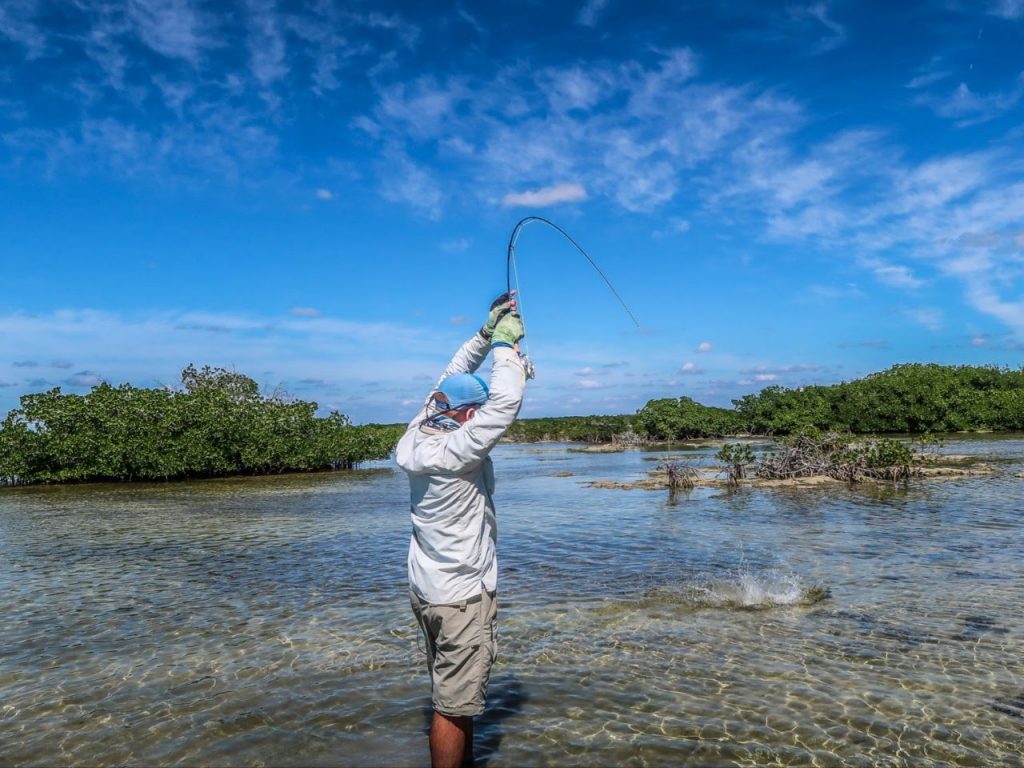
217, 424
685, 418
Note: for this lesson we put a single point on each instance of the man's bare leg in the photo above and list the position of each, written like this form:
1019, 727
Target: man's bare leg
451, 741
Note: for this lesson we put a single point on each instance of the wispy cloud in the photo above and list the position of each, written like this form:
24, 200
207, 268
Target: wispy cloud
895, 275
84, 379
1007, 9
17, 23
538, 198
835, 33
172, 28
590, 12
406, 181
868, 343
266, 43
456, 245
221, 93
776, 371
153, 348
305, 311
690, 369
967, 107
705, 346
935, 70
629, 132
928, 317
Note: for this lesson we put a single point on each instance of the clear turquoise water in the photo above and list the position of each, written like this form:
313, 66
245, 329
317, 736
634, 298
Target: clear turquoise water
265, 621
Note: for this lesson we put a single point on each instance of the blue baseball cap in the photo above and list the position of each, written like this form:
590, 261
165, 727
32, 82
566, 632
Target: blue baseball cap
463, 389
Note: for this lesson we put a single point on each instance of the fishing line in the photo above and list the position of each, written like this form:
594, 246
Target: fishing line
510, 263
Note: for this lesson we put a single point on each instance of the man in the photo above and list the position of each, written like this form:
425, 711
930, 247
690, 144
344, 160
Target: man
452, 565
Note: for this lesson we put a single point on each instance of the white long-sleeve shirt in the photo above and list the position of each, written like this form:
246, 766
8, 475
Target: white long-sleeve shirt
451, 482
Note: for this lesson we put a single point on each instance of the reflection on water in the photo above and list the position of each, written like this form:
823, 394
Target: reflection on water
265, 621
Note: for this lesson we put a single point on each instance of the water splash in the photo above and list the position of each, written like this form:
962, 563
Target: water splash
744, 589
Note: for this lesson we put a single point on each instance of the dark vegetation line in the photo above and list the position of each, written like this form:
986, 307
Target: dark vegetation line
218, 424
912, 398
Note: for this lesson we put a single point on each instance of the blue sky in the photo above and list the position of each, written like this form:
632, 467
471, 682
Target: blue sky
320, 194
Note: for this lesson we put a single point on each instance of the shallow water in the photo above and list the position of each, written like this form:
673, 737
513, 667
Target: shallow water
265, 621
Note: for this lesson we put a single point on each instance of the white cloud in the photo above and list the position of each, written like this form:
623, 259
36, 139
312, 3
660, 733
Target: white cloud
835, 33
928, 317
458, 320
17, 23
324, 194
305, 311
591, 384
691, 369
766, 377
152, 348
895, 275
1007, 9
456, 245
927, 78
966, 107
867, 343
591, 12
266, 43
778, 370
423, 108
537, 198
984, 296
705, 346
172, 28
84, 379
413, 184
632, 132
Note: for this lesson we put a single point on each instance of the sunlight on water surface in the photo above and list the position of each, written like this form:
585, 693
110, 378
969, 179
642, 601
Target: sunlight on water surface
265, 621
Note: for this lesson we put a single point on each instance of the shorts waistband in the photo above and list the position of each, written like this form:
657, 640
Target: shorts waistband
461, 604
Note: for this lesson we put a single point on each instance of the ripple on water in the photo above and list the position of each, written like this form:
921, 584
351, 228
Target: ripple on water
266, 622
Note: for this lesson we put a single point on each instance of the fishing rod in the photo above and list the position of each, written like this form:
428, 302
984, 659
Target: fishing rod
510, 262
511, 268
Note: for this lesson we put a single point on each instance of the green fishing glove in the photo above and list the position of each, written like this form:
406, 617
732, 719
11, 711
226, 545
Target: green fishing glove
500, 307
508, 331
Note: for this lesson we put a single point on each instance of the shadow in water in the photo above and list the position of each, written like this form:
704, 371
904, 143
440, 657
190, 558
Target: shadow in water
506, 696
505, 699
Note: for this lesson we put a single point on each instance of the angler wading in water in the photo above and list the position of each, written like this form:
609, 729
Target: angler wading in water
453, 568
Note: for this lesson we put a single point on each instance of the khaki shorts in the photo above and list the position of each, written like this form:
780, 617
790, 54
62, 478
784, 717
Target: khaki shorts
461, 647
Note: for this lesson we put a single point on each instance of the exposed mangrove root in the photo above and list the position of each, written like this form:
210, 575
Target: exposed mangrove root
679, 475
736, 457
840, 457
810, 458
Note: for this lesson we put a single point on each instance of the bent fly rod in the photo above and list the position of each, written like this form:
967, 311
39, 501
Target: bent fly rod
512, 269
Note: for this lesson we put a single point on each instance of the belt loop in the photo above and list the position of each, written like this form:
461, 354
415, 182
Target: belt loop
462, 606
